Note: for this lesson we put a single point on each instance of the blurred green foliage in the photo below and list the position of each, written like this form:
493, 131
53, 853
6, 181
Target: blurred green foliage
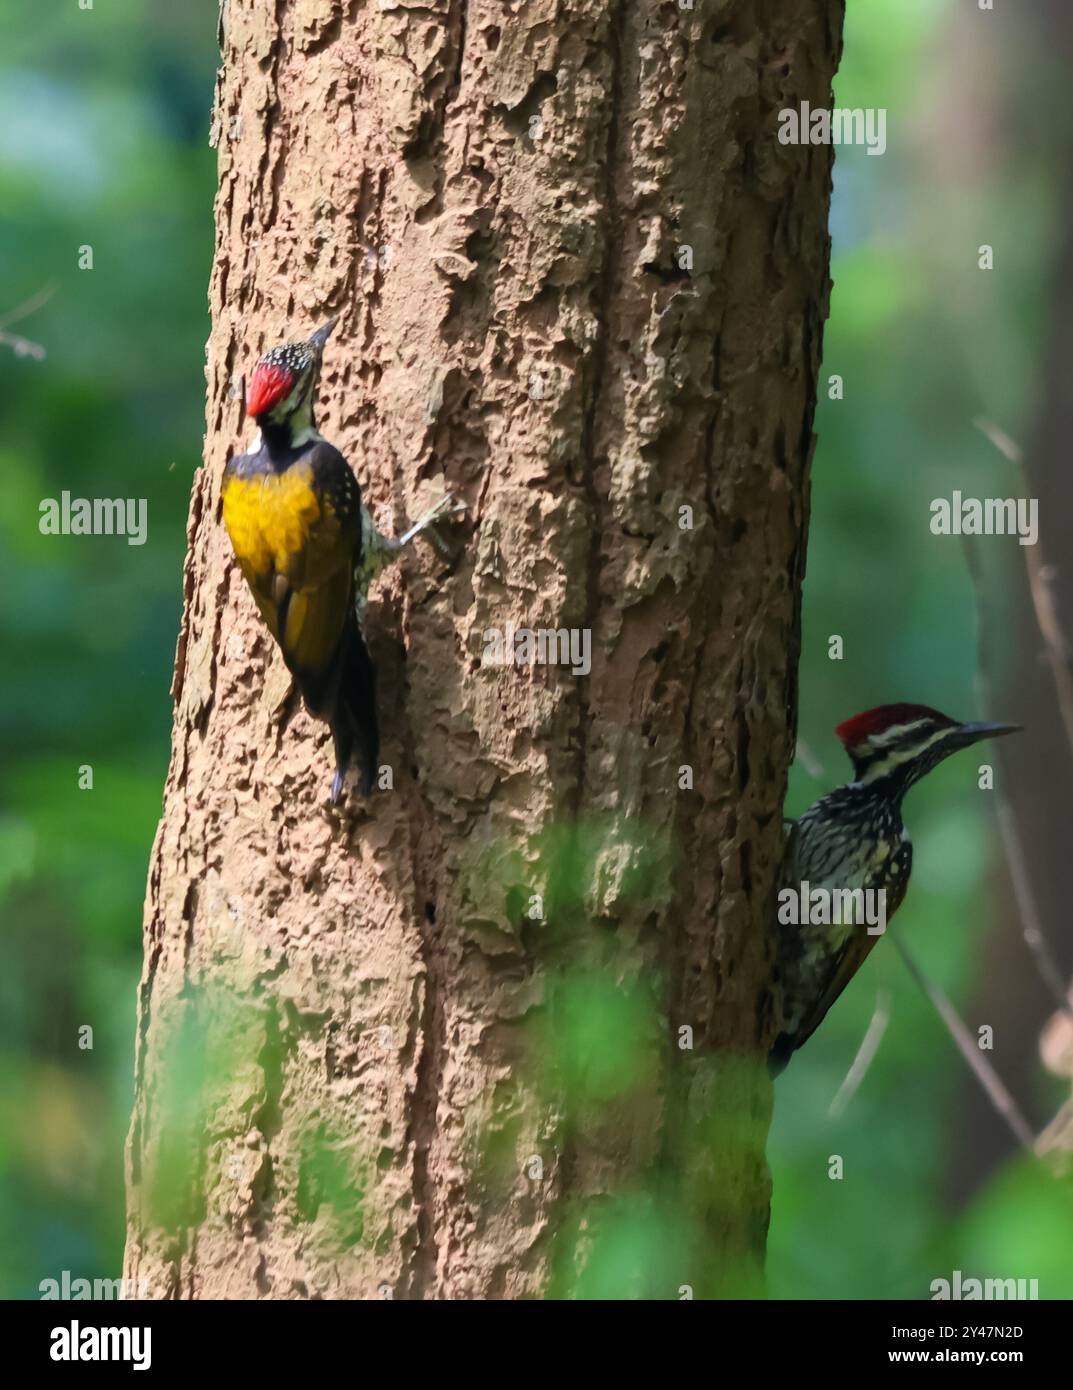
104, 119
602, 1040
217, 1106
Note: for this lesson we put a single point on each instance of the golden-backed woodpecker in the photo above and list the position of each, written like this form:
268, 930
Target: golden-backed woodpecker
853, 839
308, 547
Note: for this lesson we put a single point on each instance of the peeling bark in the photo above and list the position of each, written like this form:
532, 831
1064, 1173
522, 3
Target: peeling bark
351, 1077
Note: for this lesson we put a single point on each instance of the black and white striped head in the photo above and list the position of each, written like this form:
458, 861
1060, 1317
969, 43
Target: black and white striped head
903, 742
285, 378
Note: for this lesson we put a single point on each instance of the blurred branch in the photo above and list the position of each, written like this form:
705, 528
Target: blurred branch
1024, 896
1026, 906
28, 306
808, 759
1001, 440
865, 1054
984, 1072
25, 347
1056, 1141
1056, 1052
1057, 648
1040, 576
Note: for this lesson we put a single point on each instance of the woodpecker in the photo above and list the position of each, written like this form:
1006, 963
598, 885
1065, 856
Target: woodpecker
853, 838
308, 549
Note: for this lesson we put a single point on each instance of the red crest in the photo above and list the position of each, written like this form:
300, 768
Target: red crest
269, 384
862, 727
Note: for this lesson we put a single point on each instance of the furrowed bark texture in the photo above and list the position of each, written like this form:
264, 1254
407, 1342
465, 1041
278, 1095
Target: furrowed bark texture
582, 286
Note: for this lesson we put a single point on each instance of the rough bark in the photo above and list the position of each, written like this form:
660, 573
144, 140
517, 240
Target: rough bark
352, 1078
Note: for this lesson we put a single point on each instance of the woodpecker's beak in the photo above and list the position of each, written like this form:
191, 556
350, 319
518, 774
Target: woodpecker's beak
973, 733
321, 336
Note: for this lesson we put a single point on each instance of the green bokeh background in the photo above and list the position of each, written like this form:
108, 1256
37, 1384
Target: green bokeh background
104, 117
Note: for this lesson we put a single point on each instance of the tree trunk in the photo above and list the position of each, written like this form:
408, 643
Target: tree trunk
500, 1031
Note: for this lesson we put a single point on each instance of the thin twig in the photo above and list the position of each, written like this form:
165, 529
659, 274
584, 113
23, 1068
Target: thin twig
1054, 640
25, 347
1026, 906
1020, 879
808, 759
28, 306
1006, 446
1060, 659
1059, 653
984, 1072
865, 1055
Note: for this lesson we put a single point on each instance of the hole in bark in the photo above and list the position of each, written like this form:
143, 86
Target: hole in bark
478, 245
542, 310
780, 448
470, 298
667, 274
423, 137
746, 867
743, 751
660, 651
492, 37
517, 118
430, 913
722, 32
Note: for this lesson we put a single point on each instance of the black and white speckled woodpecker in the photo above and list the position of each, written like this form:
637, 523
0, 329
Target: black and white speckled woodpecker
854, 839
308, 548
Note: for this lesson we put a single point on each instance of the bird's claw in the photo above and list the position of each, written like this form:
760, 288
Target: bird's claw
448, 502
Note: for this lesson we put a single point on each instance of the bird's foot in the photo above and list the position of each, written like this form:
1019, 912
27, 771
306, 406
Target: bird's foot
448, 503
379, 551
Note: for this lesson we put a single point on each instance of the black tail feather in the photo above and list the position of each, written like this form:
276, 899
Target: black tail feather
355, 731
783, 1048
345, 696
